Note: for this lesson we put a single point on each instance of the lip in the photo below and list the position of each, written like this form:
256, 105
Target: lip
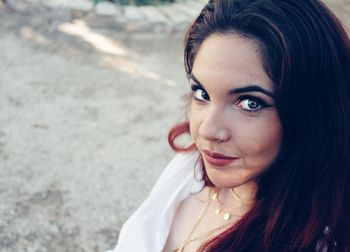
218, 159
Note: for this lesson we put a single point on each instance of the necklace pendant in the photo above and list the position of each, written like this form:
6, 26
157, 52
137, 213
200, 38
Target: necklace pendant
214, 196
218, 211
227, 216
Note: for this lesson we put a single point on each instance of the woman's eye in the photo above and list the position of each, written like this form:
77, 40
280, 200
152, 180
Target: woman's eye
199, 94
251, 104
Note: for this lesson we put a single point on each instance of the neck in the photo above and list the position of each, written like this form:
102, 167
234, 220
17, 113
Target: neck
245, 192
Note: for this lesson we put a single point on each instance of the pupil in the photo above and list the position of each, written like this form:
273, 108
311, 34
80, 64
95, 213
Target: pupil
253, 104
204, 95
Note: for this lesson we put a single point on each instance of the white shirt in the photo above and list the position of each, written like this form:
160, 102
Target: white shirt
148, 228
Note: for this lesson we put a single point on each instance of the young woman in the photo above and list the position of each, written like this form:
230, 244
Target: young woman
269, 167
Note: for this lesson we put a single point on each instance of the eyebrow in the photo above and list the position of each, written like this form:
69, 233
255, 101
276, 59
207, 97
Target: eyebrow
247, 89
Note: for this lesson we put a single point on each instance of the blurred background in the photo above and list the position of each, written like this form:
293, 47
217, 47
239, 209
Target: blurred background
88, 92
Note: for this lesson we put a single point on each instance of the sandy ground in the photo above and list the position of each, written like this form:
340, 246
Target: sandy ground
83, 127
84, 114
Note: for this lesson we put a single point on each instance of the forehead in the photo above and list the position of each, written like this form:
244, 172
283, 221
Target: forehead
230, 59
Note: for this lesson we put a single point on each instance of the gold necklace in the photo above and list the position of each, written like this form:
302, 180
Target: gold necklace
240, 200
205, 235
200, 217
227, 215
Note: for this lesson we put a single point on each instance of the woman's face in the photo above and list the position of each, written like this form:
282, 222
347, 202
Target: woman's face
233, 120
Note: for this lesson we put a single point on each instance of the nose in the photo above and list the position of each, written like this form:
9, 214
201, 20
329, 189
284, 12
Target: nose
213, 126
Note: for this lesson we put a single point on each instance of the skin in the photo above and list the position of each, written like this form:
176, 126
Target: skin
250, 126
251, 131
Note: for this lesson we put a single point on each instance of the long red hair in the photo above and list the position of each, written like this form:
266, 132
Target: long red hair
303, 199
178, 130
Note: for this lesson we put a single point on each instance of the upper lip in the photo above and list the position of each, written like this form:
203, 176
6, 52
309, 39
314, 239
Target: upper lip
217, 155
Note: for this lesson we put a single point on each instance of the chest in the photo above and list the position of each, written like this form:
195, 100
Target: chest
195, 223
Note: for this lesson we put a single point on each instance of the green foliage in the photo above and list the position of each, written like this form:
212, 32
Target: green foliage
137, 2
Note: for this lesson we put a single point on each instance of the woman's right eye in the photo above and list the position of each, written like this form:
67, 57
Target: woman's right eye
199, 94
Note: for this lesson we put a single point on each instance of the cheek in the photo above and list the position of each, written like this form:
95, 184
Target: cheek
194, 118
255, 136
266, 140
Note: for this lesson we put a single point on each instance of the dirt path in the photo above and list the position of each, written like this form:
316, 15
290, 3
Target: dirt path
82, 126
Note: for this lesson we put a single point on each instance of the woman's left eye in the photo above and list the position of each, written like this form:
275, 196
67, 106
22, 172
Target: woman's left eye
251, 103
199, 94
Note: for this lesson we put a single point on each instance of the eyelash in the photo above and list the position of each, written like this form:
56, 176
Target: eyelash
195, 88
261, 104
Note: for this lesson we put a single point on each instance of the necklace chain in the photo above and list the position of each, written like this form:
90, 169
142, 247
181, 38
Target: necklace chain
220, 209
243, 202
200, 217
227, 216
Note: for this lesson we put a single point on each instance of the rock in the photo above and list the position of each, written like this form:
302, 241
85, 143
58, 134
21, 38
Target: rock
186, 8
82, 5
132, 13
106, 9
176, 16
154, 15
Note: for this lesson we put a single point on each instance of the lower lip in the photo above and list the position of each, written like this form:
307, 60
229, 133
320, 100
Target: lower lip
218, 161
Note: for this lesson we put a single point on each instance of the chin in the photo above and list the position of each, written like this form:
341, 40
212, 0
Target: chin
221, 181
227, 177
